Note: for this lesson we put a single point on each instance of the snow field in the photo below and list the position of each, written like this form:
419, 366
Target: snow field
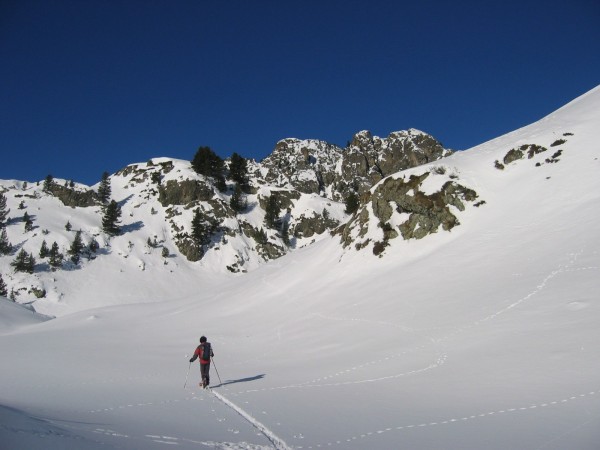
482, 337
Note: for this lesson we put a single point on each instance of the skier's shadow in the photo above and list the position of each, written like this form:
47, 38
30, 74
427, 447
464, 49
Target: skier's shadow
241, 380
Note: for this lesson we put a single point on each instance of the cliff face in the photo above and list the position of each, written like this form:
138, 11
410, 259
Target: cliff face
369, 158
312, 166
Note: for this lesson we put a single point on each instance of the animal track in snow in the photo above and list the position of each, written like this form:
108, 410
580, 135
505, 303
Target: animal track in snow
451, 421
319, 382
563, 268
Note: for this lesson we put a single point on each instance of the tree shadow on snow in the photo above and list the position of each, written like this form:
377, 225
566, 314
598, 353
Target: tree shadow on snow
131, 227
125, 200
241, 380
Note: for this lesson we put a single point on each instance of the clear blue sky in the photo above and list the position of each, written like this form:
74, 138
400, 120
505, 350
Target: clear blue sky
88, 86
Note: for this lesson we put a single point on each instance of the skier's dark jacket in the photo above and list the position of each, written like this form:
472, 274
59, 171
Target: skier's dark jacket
198, 353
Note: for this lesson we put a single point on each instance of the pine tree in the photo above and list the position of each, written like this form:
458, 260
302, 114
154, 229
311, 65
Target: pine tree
19, 261
3, 288
352, 203
238, 201
285, 233
3, 210
28, 222
24, 262
76, 248
104, 189
200, 229
68, 226
55, 257
48, 183
208, 163
5, 246
260, 236
165, 252
220, 183
44, 250
238, 170
30, 263
272, 211
110, 221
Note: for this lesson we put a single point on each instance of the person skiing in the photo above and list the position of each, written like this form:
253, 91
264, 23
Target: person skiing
204, 352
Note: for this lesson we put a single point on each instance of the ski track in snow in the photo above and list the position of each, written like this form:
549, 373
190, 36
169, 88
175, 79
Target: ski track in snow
161, 439
277, 442
322, 381
272, 437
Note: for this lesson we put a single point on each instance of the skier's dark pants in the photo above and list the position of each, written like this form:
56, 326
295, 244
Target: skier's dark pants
204, 368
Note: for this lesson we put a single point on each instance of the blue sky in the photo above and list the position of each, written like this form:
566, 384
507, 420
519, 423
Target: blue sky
90, 86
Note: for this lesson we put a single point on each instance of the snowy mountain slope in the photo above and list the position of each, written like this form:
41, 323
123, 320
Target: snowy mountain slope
14, 316
159, 200
558, 141
483, 336
134, 258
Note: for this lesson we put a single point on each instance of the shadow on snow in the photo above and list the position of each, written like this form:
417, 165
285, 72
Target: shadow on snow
241, 380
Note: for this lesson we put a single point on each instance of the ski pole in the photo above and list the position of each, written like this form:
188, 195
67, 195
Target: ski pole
213, 360
186, 377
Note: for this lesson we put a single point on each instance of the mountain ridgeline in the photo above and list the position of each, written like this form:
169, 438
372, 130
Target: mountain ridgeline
234, 214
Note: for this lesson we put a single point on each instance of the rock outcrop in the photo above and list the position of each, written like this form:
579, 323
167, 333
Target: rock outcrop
307, 166
312, 166
369, 158
404, 207
74, 197
184, 192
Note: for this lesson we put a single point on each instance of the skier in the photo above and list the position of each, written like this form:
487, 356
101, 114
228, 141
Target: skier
204, 351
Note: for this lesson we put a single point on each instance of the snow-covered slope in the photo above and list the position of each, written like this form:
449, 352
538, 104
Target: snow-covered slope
304, 181
156, 217
482, 336
14, 316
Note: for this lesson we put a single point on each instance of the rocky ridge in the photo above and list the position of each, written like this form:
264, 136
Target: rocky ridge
313, 166
307, 181
310, 179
